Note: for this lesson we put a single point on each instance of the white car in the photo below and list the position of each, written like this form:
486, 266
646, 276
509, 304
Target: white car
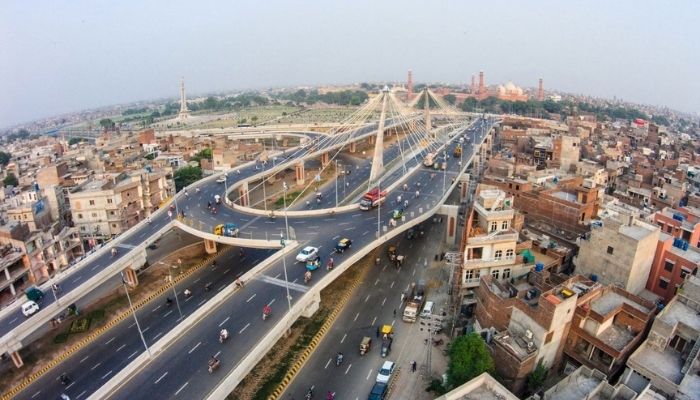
307, 253
385, 372
29, 308
221, 179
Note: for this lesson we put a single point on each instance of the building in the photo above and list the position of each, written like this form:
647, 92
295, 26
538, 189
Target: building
483, 387
566, 151
668, 358
510, 92
674, 260
585, 383
607, 327
620, 252
682, 223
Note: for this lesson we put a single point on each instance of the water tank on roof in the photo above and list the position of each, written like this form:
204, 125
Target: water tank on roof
594, 277
539, 267
678, 217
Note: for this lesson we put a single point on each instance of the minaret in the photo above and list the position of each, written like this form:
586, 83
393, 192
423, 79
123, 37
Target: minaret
540, 91
409, 86
481, 83
473, 87
184, 112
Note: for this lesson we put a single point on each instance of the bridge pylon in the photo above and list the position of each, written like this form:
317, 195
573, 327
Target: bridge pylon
426, 111
378, 158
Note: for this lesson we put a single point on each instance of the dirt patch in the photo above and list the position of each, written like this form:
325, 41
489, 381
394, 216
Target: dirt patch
42, 351
269, 372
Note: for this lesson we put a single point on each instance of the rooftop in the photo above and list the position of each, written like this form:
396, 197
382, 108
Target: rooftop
616, 337
666, 363
677, 312
565, 196
576, 386
635, 231
611, 300
483, 387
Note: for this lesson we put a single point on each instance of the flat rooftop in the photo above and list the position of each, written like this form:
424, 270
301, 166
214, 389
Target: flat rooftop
616, 337
579, 387
565, 196
635, 231
677, 312
666, 363
611, 300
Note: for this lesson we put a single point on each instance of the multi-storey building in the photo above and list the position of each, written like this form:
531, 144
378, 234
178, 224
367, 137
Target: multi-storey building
674, 260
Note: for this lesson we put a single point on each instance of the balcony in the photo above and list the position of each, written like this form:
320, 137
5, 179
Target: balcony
489, 262
500, 214
497, 236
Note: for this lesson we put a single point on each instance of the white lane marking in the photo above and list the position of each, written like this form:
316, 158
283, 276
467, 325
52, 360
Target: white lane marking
271, 301
375, 282
414, 272
156, 336
384, 301
157, 308
201, 302
251, 297
366, 232
224, 321
227, 269
278, 275
244, 328
349, 229
384, 268
373, 321
161, 377
221, 287
81, 361
168, 313
81, 394
369, 374
146, 330
120, 347
348, 370
328, 363
110, 340
314, 227
217, 353
132, 324
197, 280
366, 298
343, 223
336, 237
107, 374
15, 319
356, 316
392, 284
77, 279
36, 394
182, 387
194, 348
343, 339
133, 354
188, 298
71, 384
95, 366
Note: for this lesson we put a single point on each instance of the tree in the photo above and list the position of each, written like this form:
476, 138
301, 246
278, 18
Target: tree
4, 158
107, 124
450, 98
254, 119
74, 140
536, 378
186, 176
469, 358
11, 180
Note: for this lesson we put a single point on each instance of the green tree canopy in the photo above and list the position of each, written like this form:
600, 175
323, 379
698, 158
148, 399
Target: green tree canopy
450, 98
536, 378
11, 180
4, 158
185, 176
469, 358
107, 123
74, 140
204, 153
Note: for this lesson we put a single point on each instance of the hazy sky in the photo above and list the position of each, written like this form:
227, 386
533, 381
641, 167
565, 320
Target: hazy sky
61, 56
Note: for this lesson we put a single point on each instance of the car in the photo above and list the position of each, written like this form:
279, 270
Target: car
307, 253
343, 244
385, 372
29, 308
152, 246
378, 391
221, 179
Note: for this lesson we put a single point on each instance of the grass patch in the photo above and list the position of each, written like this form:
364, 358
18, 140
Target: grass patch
279, 203
60, 338
80, 325
97, 315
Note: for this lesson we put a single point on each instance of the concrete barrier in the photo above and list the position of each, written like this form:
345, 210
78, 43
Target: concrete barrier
299, 213
233, 241
140, 362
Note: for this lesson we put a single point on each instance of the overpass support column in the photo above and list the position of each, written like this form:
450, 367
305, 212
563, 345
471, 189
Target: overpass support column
312, 306
353, 147
463, 187
371, 140
209, 246
130, 276
285, 142
300, 174
243, 197
451, 212
324, 159
16, 359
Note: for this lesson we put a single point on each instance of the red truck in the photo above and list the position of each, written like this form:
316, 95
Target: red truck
372, 199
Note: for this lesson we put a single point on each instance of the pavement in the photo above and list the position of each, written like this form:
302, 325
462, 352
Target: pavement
373, 304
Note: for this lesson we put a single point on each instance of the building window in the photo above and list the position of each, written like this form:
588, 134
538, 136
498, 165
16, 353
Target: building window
509, 253
495, 273
498, 255
678, 343
548, 338
684, 273
668, 266
494, 226
663, 284
517, 187
80, 216
109, 201
114, 225
610, 250
506, 273
504, 225
92, 202
669, 229
94, 215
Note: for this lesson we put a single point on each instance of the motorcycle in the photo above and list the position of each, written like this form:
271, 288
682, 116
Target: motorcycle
309, 394
214, 365
223, 335
338, 359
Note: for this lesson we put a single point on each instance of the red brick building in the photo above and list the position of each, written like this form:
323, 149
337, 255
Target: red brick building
673, 262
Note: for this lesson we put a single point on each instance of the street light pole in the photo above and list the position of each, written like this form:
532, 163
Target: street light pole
336, 183
379, 207
133, 312
172, 282
284, 245
263, 185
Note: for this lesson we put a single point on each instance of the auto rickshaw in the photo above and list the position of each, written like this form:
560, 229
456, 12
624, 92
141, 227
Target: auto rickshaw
387, 330
343, 245
365, 345
312, 265
391, 253
397, 213
399, 261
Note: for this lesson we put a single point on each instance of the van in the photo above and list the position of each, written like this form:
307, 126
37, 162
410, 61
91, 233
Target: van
427, 310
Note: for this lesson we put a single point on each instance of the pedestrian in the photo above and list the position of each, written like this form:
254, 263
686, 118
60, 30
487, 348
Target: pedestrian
413, 366
394, 313
55, 287
403, 296
378, 330
398, 200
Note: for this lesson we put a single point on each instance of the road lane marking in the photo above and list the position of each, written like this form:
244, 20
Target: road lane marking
328, 363
168, 313
77, 279
244, 328
384, 268
81, 361
251, 297
133, 354
366, 298
201, 302
132, 324
278, 275
156, 336
15, 319
107, 374
383, 301
80, 395
157, 308
182, 387
369, 374
414, 272
373, 321
343, 339
95, 366
146, 330
375, 282
366, 232
271, 302
110, 340
197, 280
194, 348
161, 377
336, 237
349, 229
224, 321
36, 394
348, 370
217, 354
120, 347
392, 284
356, 316
221, 287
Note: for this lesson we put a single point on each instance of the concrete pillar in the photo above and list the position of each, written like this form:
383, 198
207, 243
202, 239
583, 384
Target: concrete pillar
209, 246
353, 147
16, 359
312, 306
285, 142
371, 139
325, 159
244, 198
451, 212
378, 157
130, 276
299, 173
464, 187
272, 178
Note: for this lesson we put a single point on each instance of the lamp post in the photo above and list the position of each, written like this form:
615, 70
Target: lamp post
54, 290
177, 302
263, 185
133, 312
379, 207
284, 245
336, 183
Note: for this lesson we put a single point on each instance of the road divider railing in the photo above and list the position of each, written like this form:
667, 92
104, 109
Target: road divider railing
157, 348
233, 241
268, 341
100, 331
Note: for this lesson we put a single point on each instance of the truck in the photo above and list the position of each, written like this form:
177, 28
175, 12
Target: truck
414, 302
429, 160
373, 198
458, 151
228, 229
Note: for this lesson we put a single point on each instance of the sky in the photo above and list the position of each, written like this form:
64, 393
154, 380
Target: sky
63, 56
